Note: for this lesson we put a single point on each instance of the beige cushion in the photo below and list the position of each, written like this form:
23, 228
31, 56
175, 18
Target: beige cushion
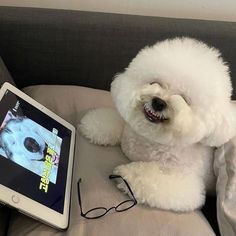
94, 164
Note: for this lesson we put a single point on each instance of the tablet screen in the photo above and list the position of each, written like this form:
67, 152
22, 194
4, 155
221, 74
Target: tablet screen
34, 152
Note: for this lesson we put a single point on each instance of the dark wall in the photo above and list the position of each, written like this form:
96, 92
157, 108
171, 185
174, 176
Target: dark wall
41, 46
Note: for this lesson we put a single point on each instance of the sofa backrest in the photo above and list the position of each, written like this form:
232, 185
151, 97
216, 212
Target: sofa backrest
42, 46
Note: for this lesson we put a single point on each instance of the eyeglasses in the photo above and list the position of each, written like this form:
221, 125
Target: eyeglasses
101, 211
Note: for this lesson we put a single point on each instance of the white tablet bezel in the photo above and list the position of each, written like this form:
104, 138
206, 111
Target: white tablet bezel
26, 205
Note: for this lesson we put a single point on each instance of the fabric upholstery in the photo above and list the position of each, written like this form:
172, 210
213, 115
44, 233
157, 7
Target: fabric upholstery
4, 219
4, 74
42, 46
47, 46
94, 164
225, 169
4, 211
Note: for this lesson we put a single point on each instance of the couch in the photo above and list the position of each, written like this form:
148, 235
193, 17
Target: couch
66, 60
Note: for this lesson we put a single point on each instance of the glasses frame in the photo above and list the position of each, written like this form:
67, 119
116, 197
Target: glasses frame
106, 210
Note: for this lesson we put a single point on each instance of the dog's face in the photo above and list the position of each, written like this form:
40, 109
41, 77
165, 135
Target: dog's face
21, 141
177, 92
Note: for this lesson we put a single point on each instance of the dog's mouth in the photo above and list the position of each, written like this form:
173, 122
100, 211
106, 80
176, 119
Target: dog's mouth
152, 115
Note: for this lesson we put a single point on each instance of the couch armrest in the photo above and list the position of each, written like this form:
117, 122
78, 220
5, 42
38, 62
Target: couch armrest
4, 219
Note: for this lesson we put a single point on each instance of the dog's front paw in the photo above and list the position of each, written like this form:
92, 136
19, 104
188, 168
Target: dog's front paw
102, 126
120, 184
122, 171
128, 172
169, 190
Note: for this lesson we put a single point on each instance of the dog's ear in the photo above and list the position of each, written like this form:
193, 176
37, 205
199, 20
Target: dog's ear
225, 128
123, 92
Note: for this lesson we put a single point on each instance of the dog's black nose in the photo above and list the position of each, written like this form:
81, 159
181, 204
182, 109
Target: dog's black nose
31, 145
158, 104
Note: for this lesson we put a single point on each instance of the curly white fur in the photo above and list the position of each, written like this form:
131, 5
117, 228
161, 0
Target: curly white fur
102, 126
181, 67
170, 146
162, 184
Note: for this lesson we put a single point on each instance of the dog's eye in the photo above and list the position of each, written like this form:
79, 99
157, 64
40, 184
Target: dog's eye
154, 82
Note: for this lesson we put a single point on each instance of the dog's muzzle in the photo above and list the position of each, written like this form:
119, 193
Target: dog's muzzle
153, 110
158, 104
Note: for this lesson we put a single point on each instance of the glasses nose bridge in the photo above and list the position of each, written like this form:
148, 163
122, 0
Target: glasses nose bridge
111, 208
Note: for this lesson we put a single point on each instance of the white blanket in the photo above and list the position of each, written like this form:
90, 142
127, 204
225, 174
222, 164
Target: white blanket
225, 170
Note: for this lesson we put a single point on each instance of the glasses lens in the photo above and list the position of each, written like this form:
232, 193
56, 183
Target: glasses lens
125, 205
96, 213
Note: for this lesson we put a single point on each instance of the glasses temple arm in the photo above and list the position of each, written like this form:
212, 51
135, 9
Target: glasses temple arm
79, 197
118, 176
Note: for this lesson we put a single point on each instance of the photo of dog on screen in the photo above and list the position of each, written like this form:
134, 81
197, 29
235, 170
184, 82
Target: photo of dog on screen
26, 143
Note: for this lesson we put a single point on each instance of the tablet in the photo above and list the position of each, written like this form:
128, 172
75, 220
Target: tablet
36, 158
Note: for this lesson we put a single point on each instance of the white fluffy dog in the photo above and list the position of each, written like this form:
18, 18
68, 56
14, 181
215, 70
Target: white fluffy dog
174, 104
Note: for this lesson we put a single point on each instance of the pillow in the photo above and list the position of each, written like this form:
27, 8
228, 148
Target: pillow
4, 74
